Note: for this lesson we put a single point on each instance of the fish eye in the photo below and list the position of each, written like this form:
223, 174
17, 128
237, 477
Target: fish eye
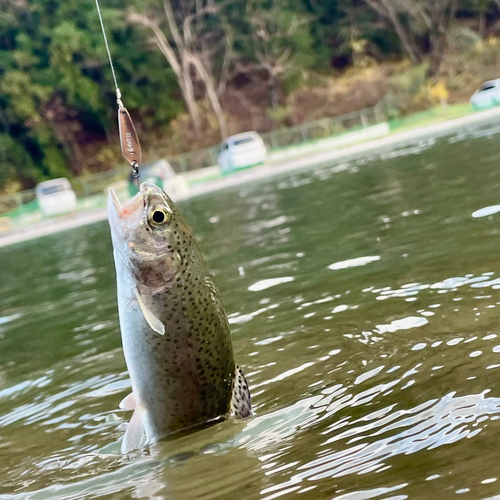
159, 217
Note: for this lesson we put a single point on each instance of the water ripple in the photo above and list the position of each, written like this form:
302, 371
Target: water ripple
432, 424
360, 261
268, 283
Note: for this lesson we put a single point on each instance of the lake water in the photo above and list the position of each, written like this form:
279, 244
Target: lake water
364, 301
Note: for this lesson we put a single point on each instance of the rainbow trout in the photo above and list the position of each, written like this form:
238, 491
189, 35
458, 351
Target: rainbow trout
175, 333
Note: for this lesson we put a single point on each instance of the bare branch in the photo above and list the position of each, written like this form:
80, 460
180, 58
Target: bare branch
190, 48
172, 24
211, 93
188, 20
160, 39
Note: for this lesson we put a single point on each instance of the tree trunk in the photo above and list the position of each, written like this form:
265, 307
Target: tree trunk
482, 23
385, 8
402, 32
274, 97
179, 67
439, 23
184, 57
211, 93
438, 43
188, 93
59, 119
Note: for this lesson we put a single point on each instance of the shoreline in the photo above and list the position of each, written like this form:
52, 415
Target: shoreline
396, 139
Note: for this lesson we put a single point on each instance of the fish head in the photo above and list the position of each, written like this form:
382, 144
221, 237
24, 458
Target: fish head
146, 233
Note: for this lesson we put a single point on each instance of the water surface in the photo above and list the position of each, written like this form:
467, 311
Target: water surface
363, 299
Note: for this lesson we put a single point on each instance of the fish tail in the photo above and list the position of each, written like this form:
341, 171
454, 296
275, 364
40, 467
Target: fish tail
241, 401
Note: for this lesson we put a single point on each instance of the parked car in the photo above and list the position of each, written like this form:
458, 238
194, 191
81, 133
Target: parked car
163, 175
56, 197
241, 151
488, 94
155, 173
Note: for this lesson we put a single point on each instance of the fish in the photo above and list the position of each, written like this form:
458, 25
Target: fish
175, 333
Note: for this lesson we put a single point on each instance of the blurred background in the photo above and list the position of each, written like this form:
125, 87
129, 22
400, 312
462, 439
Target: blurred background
193, 72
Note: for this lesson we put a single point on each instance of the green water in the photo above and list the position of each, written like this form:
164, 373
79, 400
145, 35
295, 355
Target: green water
378, 377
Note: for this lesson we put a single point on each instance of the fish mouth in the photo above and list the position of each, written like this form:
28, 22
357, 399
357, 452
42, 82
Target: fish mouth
127, 210
124, 217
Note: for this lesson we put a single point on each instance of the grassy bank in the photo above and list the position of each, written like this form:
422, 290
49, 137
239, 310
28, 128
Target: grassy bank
430, 116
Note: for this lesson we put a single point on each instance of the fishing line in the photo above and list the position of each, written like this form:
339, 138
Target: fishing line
118, 93
131, 148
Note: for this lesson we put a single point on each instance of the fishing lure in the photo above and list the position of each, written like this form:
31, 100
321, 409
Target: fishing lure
129, 141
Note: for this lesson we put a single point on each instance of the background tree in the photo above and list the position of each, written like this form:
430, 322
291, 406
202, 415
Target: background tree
56, 91
188, 37
435, 18
279, 39
419, 19
394, 11
57, 103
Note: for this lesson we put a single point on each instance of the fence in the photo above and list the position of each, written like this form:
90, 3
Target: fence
290, 136
23, 206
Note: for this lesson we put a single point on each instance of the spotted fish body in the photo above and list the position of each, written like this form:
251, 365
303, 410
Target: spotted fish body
175, 333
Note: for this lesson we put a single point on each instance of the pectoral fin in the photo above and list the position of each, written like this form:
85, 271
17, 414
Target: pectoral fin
135, 437
152, 320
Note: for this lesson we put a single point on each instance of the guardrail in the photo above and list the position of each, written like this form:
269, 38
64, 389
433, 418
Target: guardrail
22, 207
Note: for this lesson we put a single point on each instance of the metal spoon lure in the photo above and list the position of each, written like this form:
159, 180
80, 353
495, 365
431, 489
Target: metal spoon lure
131, 148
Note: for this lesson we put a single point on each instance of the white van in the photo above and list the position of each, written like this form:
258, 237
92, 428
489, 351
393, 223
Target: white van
488, 94
241, 151
55, 197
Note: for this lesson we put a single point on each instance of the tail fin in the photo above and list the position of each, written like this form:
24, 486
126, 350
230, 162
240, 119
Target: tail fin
241, 401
